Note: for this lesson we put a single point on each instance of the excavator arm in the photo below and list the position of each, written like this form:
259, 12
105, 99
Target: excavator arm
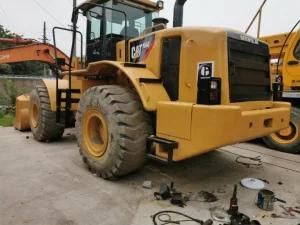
17, 41
31, 50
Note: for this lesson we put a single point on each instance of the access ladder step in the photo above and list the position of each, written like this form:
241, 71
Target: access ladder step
168, 145
73, 100
74, 91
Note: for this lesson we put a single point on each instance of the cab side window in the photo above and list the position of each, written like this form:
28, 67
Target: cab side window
297, 51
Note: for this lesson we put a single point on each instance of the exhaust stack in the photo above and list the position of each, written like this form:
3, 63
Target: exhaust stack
178, 13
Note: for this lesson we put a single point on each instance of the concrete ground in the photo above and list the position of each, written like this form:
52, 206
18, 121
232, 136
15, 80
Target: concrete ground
47, 184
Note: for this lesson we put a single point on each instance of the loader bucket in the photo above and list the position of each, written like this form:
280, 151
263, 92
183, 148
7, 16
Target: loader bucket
22, 113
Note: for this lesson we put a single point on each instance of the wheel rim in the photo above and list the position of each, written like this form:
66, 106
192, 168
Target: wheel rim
34, 116
286, 136
95, 133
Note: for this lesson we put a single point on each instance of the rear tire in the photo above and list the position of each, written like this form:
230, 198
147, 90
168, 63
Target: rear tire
287, 140
42, 118
112, 129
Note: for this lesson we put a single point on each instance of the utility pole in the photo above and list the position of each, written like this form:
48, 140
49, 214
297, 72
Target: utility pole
45, 41
44, 33
74, 26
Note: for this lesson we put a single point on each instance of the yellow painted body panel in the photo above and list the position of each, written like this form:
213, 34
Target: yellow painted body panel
199, 128
198, 44
150, 93
174, 119
22, 113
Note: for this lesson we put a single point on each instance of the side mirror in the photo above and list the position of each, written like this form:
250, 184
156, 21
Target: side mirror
75, 15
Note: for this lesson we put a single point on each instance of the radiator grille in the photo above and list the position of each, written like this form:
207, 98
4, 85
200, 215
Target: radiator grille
249, 71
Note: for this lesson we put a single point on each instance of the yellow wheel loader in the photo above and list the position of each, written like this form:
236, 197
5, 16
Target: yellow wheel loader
168, 94
285, 62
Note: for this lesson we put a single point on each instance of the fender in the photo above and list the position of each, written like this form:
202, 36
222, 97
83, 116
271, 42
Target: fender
147, 84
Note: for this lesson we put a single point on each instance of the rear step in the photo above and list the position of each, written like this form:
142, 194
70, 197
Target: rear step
64, 114
169, 145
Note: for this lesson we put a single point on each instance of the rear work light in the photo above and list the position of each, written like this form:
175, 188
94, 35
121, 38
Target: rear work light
209, 91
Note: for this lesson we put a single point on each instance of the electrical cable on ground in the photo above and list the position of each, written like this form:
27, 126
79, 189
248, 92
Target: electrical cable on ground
164, 218
282, 167
277, 157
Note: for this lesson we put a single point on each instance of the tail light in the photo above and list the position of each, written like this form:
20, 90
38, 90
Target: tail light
209, 91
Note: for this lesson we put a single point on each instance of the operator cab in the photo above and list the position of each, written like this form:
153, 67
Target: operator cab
106, 24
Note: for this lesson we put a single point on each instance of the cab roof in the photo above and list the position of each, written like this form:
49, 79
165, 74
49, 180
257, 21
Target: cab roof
142, 4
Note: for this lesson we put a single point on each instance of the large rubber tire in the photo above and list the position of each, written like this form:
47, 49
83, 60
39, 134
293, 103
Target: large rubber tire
42, 120
116, 145
289, 139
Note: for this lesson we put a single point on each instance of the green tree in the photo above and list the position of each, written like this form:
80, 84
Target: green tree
5, 69
5, 33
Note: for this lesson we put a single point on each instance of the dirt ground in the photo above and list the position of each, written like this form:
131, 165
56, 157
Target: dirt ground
48, 184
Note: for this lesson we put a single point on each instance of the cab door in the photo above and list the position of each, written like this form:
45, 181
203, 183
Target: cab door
291, 69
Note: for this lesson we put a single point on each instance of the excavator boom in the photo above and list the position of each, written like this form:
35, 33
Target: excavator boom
31, 50
17, 41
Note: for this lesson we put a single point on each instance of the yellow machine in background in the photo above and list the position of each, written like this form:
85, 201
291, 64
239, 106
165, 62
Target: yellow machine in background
166, 93
285, 54
285, 57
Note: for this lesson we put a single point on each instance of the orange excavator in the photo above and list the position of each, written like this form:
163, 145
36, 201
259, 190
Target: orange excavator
23, 50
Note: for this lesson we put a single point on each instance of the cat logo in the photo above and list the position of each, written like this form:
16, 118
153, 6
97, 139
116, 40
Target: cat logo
205, 70
136, 51
140, 49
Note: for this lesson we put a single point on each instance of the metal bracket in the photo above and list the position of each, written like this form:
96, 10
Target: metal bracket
169, 145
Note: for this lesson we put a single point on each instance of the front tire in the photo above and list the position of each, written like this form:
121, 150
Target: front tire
42, 119
287, 140
112, 128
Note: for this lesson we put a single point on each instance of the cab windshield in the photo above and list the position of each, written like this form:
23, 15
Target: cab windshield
110, 22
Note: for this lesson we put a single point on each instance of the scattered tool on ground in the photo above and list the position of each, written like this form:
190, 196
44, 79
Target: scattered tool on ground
202, 196
233, 207
290, 210
266, 200
249, 161
147, 184
253, 183
274, 215
220, 215
238, 218
170, 193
